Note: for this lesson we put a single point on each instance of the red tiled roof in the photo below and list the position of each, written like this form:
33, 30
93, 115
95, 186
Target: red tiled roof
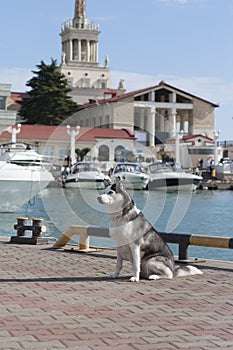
190, 137
117, 97
59, 133
18, 96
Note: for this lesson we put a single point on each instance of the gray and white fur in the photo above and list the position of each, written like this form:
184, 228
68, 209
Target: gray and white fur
137, 240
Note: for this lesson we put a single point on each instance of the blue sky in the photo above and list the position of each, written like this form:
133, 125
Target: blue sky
186, 43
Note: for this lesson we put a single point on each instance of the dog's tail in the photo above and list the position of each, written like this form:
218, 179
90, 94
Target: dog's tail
187, 271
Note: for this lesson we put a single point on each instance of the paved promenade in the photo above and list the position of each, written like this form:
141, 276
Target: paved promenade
61, 299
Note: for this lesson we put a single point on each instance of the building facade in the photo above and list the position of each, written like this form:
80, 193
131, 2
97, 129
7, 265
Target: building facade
79, 58
158, 116
7, 117
54, 142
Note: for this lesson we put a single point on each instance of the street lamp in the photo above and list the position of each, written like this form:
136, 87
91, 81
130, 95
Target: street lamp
216, 136
14, 131
178, 136
73, 133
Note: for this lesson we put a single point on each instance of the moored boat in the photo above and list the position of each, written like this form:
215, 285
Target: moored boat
132, 175
85, 175
164, 177
23, 154
19, 184
23, 174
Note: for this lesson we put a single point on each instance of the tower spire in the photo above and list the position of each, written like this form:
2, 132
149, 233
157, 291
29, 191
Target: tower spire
80, 9
79, 56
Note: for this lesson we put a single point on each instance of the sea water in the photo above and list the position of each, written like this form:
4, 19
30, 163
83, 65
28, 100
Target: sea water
201, 212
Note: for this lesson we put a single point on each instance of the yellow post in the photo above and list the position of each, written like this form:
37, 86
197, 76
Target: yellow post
84, 242
213, 174
72, 231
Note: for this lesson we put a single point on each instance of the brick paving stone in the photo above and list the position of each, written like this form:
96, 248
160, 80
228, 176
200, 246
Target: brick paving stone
48, 345
9, 344
62, 299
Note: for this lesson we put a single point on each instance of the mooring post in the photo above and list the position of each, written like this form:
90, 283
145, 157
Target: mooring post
20, 226
37, 228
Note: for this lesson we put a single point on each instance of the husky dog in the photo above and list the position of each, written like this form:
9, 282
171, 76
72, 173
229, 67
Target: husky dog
136, 239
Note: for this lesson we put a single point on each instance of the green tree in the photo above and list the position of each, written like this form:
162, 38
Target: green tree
81, 153
48, 102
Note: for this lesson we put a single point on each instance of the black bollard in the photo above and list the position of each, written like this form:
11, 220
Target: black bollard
20, 226
37, 228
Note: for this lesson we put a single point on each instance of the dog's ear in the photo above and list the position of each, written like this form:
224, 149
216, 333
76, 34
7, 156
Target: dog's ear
119, 183
106, 183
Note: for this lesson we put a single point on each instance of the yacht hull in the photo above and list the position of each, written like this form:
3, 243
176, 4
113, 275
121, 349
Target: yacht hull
174, 183
131, 176
132, 181
20, 184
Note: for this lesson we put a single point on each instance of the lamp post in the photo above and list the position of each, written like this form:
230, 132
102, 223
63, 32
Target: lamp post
73, 133
14, 131
216, 136
179, 135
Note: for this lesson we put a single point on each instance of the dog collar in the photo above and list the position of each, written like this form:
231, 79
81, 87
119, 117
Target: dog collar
128, 208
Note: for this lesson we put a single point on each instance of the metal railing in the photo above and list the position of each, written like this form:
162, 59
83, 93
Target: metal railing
225, 143
182, 239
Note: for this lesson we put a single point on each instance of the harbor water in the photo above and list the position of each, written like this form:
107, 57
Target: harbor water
202, 212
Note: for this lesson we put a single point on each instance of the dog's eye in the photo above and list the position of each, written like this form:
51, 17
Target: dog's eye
110, 192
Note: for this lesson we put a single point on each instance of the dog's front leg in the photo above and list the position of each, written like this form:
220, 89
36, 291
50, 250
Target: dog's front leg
118, 266
136, 261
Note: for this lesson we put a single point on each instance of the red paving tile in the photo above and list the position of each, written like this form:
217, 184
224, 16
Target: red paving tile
62, 299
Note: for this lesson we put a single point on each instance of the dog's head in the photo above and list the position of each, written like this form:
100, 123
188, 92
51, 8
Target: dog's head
115, 197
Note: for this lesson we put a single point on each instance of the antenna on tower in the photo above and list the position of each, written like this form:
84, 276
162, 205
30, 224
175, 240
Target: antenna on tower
80, 9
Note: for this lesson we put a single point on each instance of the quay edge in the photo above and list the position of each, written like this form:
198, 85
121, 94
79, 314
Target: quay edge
215, 185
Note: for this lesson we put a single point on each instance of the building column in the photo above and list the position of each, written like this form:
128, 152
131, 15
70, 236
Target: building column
88, 50
71, 50
79, 50
177, 150
152, 128
173, 131
66, 51
96, 51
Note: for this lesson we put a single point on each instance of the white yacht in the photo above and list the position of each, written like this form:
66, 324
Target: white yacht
21, 177
164, 177
21, 153
85, 175
132, 175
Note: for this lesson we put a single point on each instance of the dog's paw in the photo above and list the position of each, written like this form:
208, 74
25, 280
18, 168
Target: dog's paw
154, 277
134, 279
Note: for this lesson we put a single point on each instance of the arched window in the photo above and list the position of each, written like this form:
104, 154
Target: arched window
103, 153
119, 150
